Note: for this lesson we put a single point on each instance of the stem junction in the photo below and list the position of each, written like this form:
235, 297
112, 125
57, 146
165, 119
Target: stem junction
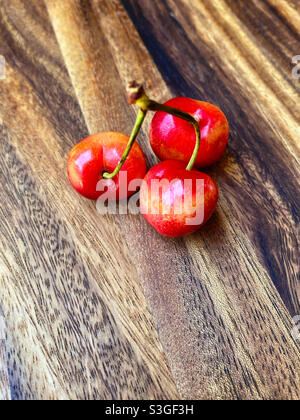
136, 95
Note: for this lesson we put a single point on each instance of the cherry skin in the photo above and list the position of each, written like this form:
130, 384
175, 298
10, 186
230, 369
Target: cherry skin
174, 138
100, 153
159, 205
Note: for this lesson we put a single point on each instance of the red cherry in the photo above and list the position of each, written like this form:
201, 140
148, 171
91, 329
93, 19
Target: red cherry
173, 138
159, 205
100, 153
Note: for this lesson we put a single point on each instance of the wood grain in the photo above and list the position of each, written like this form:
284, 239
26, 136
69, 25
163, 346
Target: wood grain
70, 279
245, 67
78, 322
4, 380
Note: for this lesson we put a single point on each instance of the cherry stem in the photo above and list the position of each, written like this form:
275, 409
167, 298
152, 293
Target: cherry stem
137, 95
156, 106
136, 129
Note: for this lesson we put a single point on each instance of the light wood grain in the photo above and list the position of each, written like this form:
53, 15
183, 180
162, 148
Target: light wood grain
70, 279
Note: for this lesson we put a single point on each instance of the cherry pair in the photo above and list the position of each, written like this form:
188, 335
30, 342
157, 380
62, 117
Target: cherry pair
175, 199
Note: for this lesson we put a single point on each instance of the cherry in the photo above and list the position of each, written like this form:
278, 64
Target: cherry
176, 201
173, 138
91, 159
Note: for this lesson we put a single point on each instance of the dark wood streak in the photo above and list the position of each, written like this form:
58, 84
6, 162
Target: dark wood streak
5, 393
287, 11
276, 37
254, 146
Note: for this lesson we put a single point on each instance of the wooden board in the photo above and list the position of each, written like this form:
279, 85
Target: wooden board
75, 286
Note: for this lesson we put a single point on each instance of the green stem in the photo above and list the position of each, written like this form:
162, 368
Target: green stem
136, 129
136, 95
155, 106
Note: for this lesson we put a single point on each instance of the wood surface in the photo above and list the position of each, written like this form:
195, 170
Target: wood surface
75, 286
4, 379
